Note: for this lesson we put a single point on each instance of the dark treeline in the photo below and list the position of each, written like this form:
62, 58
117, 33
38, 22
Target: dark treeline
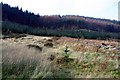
12, 27
58, 22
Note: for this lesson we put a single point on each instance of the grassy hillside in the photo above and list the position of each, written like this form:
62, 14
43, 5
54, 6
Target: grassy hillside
11, 27
69, 46
59, 57
64, 54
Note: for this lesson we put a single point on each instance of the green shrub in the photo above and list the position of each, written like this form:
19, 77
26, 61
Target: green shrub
66, 53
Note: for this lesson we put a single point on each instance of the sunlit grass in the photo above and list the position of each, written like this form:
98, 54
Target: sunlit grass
19, 61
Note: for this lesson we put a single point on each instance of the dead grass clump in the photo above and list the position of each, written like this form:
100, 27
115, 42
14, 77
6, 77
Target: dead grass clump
49, 40
48, 44
60, 60
79, 48
51, 57
56, 38
93, 48
35, 47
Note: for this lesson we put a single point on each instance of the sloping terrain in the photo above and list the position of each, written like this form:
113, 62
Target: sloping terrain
57, 22
44, 57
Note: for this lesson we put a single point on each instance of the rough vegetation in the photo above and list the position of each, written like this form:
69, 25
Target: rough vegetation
72, 46
69, 58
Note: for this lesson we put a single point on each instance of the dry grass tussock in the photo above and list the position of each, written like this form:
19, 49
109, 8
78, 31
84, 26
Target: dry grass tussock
19, 60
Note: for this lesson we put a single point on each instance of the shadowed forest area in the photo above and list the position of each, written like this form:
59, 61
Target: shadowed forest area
56, 25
